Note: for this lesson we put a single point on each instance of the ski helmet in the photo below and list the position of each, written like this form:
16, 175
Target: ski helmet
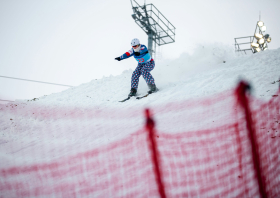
135, 42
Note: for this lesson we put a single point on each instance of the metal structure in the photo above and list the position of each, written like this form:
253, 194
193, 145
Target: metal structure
257, 43
242, 41
159, 30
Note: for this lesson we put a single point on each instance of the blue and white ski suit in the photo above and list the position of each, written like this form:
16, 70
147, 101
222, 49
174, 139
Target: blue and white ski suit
145, 65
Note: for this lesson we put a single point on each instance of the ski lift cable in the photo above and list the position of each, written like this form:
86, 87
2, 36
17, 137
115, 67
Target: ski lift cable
35, 81
30, 81
7, 100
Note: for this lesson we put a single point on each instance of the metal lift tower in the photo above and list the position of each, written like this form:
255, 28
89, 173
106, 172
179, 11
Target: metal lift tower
159, 30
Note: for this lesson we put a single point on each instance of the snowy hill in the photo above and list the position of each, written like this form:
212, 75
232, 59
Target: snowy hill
207, 71
54, 126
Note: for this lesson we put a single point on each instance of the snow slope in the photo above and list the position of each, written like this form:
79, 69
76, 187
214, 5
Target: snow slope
59, 125
196, 75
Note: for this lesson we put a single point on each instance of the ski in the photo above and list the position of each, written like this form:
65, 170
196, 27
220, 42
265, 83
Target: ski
149, 92
125, 99
142, 96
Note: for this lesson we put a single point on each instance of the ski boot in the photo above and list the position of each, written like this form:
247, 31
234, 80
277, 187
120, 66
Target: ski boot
152, 88
133, 92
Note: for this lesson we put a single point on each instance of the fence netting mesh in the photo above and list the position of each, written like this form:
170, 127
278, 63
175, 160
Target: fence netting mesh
204, 148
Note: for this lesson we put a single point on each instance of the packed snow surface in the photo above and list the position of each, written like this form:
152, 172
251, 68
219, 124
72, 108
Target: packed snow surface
58, 125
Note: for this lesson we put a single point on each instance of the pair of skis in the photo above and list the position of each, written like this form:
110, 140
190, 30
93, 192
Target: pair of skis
138, 98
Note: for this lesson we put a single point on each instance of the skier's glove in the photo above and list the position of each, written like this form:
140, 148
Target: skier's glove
118, 58
137, 53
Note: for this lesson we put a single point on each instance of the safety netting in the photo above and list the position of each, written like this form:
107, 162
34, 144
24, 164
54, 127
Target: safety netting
226, 145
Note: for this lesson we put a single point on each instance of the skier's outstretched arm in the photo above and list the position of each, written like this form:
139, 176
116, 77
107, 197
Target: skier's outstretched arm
127, 54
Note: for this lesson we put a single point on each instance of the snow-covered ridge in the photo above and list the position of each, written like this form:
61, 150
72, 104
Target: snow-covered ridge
209, 70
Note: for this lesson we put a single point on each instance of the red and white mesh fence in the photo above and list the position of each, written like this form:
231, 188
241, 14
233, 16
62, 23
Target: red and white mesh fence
226, 145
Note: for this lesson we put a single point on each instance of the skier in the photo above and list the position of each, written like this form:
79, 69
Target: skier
145, 65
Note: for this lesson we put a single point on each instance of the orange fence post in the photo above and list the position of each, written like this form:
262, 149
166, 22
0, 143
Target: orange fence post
154, 152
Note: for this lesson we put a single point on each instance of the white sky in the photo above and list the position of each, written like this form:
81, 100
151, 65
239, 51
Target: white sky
73, 42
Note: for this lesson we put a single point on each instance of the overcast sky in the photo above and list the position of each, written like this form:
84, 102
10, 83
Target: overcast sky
75, 41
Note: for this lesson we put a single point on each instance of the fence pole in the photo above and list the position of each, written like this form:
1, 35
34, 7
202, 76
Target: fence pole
154, 152
243, 101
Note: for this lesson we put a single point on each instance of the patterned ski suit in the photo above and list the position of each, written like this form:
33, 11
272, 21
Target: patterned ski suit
145, 65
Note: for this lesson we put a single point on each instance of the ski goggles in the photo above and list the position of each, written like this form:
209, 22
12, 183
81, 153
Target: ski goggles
134, 46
